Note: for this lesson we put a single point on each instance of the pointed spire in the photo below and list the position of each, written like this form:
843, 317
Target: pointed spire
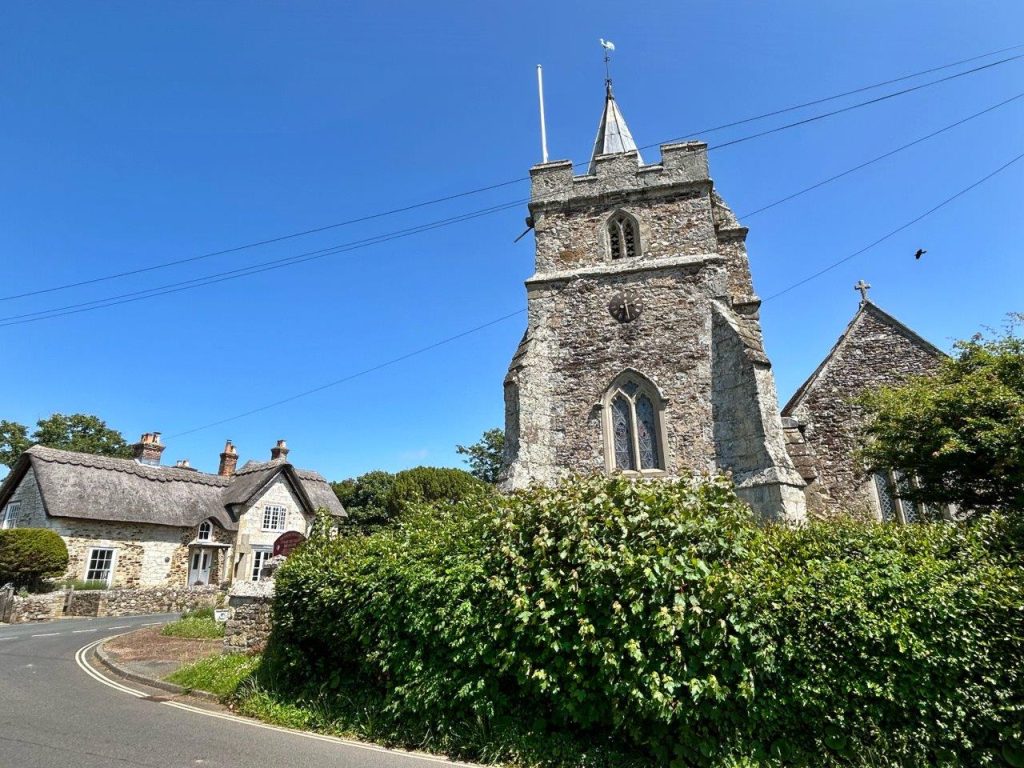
613, 136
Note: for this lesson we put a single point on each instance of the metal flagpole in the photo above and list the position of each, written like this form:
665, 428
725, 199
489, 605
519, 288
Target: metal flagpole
543, 127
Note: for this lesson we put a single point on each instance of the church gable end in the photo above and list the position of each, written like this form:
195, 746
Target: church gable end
875, 350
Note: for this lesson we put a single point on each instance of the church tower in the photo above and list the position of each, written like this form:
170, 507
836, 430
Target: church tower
643, 351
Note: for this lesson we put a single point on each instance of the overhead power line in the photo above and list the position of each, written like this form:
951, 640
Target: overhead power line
874, 160
898, 229
287, 261
499, 185
510, 315
356, 375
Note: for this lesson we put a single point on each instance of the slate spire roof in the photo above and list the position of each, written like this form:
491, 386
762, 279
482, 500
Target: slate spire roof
613, 136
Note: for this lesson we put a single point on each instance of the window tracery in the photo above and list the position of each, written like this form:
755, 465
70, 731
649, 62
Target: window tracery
634, 436
623, 238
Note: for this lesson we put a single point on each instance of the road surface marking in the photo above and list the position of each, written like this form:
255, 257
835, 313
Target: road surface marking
80, 631
150, 624
119, 626
81, 660
46, 634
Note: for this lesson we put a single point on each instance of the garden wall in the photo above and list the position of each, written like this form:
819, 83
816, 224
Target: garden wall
113, 602
249, 624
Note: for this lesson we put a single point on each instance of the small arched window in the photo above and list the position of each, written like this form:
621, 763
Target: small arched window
623, 237
205, 530
633, 429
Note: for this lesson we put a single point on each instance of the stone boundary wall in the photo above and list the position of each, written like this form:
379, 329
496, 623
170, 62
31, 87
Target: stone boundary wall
113, 602
249, 625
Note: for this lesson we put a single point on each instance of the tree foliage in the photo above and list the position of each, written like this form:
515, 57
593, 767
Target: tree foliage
960, 431
379, 499
660, 616
13, 441
30, 554
73, 432
485, 456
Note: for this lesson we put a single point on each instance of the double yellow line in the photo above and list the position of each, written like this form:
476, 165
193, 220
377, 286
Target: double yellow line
81, 658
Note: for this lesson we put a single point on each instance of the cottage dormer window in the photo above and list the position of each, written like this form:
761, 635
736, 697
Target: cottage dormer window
623, 240
205, 529
10, 516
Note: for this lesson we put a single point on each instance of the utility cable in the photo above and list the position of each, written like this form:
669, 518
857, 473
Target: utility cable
357, 374
354, 245
499, 185
510, 315
896, 231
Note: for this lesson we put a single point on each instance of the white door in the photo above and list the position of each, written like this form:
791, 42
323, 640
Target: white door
199, 567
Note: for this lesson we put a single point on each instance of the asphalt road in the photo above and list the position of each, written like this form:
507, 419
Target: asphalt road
53, 713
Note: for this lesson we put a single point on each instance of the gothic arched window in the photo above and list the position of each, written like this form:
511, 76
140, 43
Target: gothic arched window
205, 529
633, 427
623, 236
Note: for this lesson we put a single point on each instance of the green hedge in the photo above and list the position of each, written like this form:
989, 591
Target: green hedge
30, 554
660, 618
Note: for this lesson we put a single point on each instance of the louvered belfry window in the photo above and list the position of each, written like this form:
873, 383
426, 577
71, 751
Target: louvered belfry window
622, 236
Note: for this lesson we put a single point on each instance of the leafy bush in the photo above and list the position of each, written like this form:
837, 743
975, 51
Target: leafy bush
378, 499
658, 619
28, 555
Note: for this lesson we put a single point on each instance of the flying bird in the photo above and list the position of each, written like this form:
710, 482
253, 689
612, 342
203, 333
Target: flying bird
920, 252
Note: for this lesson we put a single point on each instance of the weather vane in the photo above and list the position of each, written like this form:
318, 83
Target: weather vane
608, 46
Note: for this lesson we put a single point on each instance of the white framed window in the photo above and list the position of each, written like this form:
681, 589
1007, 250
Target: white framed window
205, 531
633, 425
10, 516
259, 559
101, 565
274, 517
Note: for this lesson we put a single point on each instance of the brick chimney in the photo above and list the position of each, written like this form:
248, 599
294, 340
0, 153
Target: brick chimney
279, 451
228, 460
148, 449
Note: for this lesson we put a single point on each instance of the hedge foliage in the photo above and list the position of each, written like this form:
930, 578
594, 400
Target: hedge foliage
660, 617
30, 554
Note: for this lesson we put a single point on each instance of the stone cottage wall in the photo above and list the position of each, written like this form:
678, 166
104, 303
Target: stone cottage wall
250, 524
113, 602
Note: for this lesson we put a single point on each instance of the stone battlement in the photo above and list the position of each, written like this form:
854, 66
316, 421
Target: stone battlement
683, 163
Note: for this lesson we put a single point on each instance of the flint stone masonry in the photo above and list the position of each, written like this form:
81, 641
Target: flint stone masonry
823, 422
249, 625
113, 602
697, 340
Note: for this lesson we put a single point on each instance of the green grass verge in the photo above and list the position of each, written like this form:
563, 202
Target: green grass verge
195, 627
219, 675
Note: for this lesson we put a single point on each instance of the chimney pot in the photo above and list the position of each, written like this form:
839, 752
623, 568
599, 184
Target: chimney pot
279, 451
228, 460
148, 449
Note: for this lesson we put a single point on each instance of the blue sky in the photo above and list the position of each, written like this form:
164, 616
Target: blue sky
138, 133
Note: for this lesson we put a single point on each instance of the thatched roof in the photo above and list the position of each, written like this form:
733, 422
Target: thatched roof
84, 486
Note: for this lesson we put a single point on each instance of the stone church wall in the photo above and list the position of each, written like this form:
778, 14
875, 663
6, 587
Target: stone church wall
875, 351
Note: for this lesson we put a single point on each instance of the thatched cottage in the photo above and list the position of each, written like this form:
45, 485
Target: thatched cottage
136, 523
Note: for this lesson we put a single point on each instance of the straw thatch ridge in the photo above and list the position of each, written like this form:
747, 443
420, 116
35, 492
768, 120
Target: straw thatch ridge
85, 486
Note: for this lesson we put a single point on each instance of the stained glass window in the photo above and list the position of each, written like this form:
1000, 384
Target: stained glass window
647, 433
886, 500
622, 430
634, 427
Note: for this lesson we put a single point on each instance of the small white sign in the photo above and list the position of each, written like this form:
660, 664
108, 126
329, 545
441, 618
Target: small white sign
222, 614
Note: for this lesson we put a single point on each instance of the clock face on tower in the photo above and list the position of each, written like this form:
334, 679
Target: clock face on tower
625, 306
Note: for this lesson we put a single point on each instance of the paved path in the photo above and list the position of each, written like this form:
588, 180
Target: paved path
54, 713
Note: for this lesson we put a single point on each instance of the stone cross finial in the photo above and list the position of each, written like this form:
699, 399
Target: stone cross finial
863, 288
